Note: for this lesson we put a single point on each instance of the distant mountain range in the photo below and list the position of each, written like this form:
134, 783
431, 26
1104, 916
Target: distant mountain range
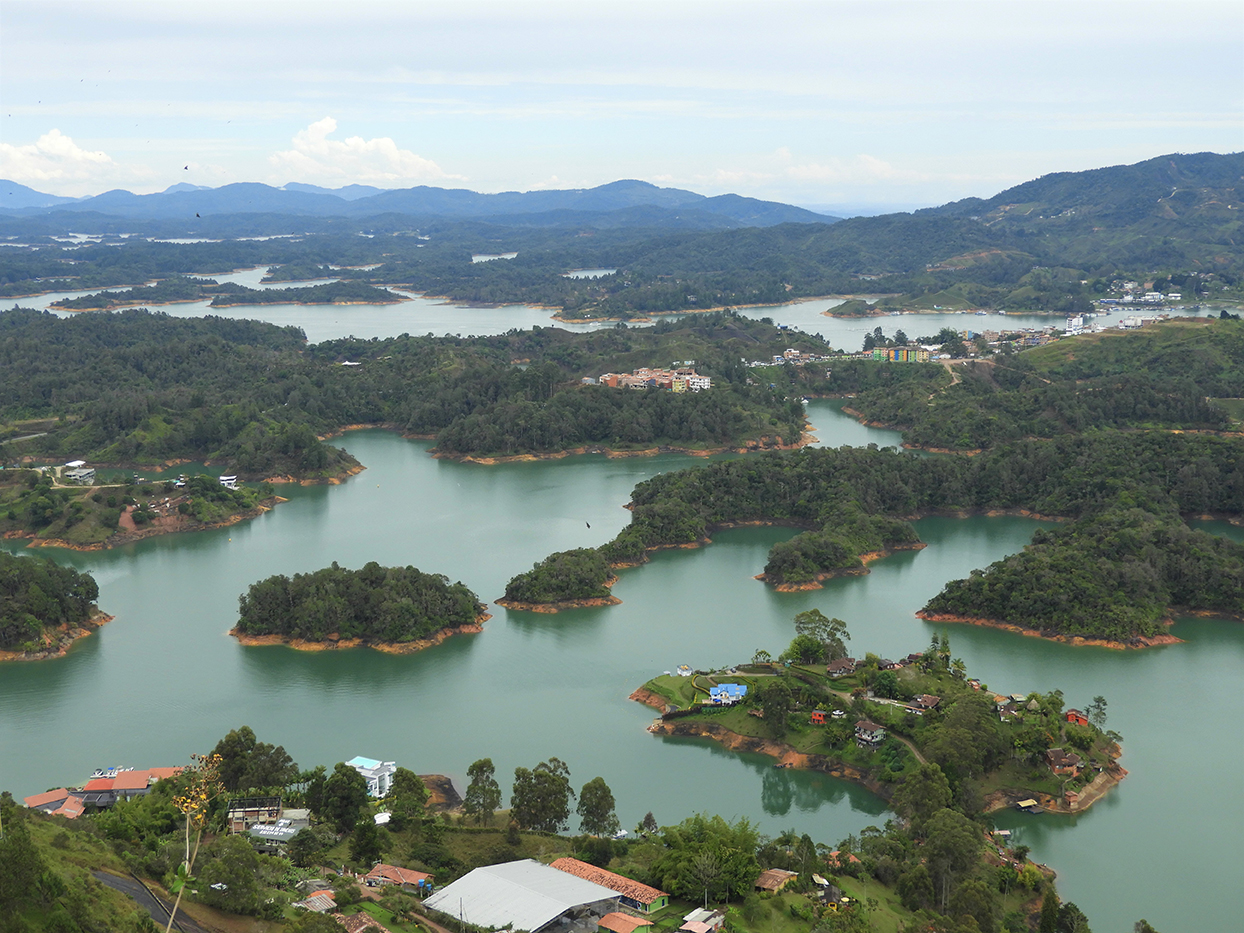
630, 203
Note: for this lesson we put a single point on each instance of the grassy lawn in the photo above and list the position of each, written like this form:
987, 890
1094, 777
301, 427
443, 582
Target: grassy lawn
1234, 407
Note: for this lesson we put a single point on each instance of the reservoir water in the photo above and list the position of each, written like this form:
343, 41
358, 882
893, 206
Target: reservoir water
164, 680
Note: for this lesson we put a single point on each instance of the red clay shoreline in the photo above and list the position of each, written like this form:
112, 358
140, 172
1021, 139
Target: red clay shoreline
335, 642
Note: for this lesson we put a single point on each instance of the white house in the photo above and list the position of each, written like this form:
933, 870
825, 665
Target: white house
378, 774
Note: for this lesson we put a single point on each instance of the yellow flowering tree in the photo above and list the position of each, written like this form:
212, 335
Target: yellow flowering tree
202, 788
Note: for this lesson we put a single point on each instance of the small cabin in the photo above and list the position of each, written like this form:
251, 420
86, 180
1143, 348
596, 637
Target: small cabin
818, 718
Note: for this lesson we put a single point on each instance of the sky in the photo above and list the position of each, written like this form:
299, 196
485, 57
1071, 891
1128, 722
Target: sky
872, 105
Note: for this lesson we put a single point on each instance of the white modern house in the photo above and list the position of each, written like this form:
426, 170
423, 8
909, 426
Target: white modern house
378, 774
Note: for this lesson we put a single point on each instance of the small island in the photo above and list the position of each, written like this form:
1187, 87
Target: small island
394, 609
44, 608
877, 722
574, 579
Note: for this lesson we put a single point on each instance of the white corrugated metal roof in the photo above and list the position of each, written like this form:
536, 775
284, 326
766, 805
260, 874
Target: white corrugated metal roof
525, 894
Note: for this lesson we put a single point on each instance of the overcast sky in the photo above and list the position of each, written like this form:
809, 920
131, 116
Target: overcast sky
822, 103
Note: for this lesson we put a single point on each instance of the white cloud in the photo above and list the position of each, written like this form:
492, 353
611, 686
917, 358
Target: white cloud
54, 157
316, 157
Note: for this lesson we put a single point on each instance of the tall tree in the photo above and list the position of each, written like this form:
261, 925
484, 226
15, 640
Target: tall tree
407, 799
483, 794
345, 795
832, 633
248, 764
596, 809
541, 797
922, 794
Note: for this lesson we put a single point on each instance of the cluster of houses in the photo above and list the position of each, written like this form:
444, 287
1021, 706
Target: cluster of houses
680, 379
103, 789
897, 354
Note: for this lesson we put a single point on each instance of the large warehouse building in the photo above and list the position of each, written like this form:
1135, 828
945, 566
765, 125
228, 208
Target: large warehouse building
524, 895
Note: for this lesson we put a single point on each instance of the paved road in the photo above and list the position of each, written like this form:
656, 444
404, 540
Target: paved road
157, 906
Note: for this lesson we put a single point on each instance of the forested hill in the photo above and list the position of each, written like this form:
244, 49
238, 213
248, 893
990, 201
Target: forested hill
1053, 244
135, 387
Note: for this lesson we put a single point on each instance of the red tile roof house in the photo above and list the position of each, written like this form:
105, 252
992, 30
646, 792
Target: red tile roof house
48, 802
634, 894
1063, 762
391, 874
618, 922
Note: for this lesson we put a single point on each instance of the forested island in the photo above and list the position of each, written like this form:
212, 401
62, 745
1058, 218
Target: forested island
44, 607
851, 500
395, 609
180, 288
565, 580
138, 387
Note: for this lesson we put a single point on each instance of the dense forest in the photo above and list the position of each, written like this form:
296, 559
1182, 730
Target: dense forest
1165, 376
390, 605
37, 595
141, 387
851, 500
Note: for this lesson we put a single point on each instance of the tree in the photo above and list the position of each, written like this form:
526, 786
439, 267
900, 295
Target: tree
596, 809
775, 703
885, 685
246, 763
230, 880
952, 844
541, 796
804, 649
648, 824
365, 843
345, 794
1097, 712
832, 633
1142, 926
1071, 919
1049, 912
923, 793
761, 657
305, 849
977, 900
407, 798
483, 794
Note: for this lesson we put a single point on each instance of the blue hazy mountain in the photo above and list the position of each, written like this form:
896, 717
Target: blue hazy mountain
628, 202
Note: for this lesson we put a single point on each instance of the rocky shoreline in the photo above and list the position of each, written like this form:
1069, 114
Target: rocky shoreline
57, 645
334, 642
1137, 641
789, 757
564, 604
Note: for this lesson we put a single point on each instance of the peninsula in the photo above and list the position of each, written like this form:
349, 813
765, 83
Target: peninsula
44, 608
876, 722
